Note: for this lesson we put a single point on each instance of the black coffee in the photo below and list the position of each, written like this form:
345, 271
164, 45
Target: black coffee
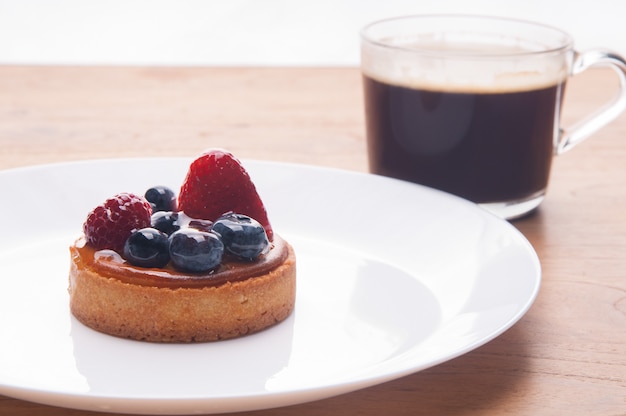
484, 146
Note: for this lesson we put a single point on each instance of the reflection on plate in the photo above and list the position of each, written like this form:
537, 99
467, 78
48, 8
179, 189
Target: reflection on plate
392, 278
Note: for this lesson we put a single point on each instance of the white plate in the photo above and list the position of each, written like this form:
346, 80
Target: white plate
392, 278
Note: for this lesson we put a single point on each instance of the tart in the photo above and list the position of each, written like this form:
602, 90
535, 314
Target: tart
202, 277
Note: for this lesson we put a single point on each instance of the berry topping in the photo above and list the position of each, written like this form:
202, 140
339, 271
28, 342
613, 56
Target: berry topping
195, 251
110, 224
217, 183
165, 221
161, 198
242, 236
202, 225
147, 247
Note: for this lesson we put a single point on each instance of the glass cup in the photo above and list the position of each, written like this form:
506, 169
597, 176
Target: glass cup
471, 105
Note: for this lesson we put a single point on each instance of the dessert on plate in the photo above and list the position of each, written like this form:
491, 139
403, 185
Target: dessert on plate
203, 265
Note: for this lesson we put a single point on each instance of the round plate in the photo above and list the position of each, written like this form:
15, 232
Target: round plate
392, 278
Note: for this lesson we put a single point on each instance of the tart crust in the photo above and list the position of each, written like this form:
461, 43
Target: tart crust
181, 314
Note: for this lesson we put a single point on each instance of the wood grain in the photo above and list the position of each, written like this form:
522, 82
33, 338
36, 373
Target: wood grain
566, 356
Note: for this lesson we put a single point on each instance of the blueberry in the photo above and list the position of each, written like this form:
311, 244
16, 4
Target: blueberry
202, 225
161, 198
195, 251
244, 237
165, 221
147, 247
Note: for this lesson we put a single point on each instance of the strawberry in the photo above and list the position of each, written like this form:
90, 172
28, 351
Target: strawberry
110, 224
217, 183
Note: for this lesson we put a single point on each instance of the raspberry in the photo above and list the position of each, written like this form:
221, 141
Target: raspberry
110, 224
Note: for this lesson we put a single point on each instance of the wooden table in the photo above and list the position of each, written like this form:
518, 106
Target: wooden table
566, 356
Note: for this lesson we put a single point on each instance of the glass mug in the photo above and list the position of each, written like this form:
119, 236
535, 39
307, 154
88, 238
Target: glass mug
471, 105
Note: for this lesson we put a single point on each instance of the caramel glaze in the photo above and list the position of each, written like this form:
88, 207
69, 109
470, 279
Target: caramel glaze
109, 264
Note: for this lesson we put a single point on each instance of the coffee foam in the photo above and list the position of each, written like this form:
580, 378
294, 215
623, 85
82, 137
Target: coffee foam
470, 68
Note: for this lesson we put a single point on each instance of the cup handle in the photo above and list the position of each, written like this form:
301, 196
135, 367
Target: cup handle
578, 132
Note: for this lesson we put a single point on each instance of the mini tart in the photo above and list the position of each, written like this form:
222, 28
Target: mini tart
164, 305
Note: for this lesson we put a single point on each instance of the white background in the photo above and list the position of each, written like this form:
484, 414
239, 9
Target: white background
249, 32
